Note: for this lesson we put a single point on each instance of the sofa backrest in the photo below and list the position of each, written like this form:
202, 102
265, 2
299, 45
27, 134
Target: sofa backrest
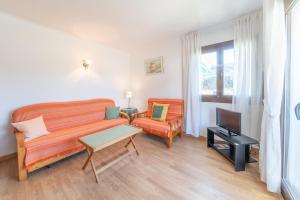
175, 107
61, 115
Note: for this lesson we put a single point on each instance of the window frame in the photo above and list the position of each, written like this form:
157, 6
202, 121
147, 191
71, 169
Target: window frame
219, 48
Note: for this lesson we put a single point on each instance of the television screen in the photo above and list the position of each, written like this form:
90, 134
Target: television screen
229, 120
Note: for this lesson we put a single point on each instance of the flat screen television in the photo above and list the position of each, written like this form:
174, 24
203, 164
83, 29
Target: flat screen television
229, 120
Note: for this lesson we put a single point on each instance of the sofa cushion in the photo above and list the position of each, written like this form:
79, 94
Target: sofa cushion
64, 141
32, 128
112, 112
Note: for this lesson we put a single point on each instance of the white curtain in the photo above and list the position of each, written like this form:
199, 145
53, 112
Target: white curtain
191, 52
274, 63
248, 68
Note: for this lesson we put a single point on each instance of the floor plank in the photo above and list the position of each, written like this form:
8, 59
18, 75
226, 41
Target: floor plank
186, 171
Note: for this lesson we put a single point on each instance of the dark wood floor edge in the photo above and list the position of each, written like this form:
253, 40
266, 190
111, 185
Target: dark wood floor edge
286, 192
8, 157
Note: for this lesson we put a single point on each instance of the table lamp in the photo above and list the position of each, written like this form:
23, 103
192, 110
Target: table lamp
128, 96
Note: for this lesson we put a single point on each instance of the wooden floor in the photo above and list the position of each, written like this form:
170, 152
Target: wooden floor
186, 171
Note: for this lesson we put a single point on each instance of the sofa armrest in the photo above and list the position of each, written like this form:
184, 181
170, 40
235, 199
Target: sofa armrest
124, 115
139, 114
20, 139
21, 156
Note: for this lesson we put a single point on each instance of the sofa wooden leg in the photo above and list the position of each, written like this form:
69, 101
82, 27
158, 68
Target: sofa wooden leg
180, 133
170, 142
22, 174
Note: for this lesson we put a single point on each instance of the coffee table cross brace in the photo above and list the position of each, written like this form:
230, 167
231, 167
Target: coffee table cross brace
128, 132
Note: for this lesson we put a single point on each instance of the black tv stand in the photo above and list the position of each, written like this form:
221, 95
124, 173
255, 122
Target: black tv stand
224, 132
238, 152
227, 132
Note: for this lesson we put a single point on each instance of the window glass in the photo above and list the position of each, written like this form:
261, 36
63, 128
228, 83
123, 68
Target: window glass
209, 73
228, 59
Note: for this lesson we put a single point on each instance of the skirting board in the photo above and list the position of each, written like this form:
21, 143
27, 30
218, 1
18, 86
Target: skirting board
8, 157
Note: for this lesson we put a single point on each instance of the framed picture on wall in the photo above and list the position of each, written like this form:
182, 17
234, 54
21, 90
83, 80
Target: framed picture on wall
154, 65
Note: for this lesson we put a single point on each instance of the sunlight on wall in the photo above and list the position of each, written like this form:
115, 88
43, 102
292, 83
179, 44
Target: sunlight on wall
80, 74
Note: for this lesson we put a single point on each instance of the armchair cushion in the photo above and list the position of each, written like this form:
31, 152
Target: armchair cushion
157, 127
153, 126
159, 111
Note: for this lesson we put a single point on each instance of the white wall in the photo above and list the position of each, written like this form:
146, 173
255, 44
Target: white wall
215, 34
169, 83
165, 85
40, 65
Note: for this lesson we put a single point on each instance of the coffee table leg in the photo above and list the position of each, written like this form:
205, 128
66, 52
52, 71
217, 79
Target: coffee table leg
90, 160
94, 170
87, 161
131, 140
128, 143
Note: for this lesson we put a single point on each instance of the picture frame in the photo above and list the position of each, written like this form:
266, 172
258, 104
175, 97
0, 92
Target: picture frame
154, 65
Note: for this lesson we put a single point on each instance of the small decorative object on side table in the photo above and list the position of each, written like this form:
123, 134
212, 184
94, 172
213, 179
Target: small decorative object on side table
129, 111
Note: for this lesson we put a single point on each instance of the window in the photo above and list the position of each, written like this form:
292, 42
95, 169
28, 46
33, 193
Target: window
217, 72
291, 172
209, 72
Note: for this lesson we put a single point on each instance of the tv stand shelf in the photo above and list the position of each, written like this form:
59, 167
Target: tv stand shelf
238, 151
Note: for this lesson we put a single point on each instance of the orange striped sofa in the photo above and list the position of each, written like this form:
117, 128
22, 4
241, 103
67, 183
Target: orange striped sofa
166, 129
66, 122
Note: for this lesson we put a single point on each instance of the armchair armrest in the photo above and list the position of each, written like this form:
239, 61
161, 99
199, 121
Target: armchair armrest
173, 121
139, 115
124, 115
174, 118
176, 126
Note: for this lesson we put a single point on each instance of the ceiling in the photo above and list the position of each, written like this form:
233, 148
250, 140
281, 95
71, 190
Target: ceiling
127, 23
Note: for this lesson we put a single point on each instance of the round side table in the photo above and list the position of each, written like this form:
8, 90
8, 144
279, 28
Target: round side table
129, 111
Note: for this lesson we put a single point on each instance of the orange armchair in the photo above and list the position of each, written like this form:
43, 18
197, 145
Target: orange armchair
166, 129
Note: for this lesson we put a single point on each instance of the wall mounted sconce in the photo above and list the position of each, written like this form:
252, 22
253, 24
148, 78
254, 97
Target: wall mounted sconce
86, 64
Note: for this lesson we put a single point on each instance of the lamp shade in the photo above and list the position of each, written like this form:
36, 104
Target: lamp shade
128, 94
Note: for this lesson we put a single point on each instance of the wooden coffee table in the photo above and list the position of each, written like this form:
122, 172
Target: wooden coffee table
100, 140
